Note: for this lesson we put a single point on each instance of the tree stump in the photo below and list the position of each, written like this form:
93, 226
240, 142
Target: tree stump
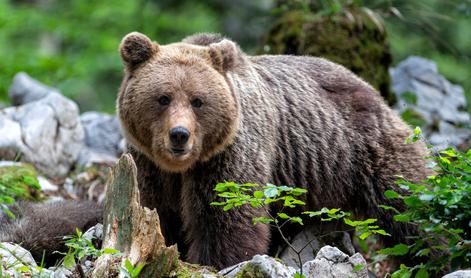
132, 229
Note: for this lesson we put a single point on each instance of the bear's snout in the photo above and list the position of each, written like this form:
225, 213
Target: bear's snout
179, 137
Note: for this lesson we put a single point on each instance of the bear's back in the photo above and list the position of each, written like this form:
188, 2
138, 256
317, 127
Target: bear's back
324, 126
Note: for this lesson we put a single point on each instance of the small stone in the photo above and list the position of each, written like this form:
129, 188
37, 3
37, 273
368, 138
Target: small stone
459, 274
46, 185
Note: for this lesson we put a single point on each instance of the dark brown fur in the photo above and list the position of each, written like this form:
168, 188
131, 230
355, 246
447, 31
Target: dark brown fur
298, 121
41, 227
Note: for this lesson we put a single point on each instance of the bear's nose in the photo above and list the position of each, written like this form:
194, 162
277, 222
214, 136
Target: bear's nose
179, 135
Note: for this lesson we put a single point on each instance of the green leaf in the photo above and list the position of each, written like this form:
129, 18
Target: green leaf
397, 250
417, 130
283, 215
382, 232
128, 265
258, 194
135, 272
402, 217
390, 194
364, 235
297, 220
270, 191
426, 197
69, 261
422, 273
228, 207
389, 208
264, 220
110, 251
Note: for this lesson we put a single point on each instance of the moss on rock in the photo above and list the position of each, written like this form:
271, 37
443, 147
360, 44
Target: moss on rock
251, 271
352, 39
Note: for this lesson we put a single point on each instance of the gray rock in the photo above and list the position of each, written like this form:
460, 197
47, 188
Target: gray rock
438, 101
102, 138
2, 105
13, 255
459, 274
94, 233
330, 262
47, 132
261, 264
15, 260
309, 236
25, 89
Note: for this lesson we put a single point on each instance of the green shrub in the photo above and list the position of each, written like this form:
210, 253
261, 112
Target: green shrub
441, 207
17, 182
261, 196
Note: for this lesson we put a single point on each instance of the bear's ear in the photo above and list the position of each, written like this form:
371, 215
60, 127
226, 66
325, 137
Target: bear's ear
225, 55
136, 48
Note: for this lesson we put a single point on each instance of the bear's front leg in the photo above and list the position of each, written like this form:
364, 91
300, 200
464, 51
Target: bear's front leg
218, 238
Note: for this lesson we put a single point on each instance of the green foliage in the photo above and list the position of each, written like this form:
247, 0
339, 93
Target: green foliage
73, 45
440, 206
16, 182
262, 196
129, 271
81, 247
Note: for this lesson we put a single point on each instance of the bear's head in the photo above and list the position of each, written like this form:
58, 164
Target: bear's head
176, 104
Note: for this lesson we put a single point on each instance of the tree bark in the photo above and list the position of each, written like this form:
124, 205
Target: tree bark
132, 229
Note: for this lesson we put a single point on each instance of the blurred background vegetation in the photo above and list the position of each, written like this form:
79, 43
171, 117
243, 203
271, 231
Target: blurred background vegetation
72, 45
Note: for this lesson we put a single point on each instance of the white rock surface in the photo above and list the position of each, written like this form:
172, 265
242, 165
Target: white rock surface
459, 274
26, 89
13, 258
102, 138
439, 102
330, 262
46, 131
46, 185
263, 264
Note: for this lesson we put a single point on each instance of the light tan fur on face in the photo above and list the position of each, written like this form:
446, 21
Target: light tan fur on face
182, 72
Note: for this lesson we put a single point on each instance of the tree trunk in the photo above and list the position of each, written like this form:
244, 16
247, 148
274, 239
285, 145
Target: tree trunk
132, 229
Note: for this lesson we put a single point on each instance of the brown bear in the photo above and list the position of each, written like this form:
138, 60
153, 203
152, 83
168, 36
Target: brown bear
201, 111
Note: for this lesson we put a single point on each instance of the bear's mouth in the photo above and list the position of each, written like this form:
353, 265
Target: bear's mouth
178, 151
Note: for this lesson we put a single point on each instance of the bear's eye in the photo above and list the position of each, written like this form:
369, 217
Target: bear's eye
196, 103
164, 100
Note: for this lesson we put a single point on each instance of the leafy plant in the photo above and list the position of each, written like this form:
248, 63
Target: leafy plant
261, 196
129, 271
440, 206
16, 182
81, 247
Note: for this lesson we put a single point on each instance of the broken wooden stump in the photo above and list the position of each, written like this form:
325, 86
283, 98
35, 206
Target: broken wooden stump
132, 229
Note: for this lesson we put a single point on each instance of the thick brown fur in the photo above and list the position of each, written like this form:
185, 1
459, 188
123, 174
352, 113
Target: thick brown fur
298, 121
41, 227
